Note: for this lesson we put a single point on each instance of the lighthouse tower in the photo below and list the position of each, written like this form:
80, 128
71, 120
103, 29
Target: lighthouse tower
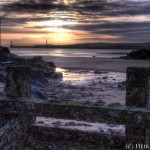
46, 43
11, 45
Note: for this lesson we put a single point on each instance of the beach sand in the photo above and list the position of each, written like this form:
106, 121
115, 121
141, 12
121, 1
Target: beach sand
108, 86
85, 86
104, 88
104, 64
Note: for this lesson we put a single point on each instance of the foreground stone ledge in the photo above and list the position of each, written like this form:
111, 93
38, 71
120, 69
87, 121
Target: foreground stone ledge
44, 136
77, 111
13, 132
138, 87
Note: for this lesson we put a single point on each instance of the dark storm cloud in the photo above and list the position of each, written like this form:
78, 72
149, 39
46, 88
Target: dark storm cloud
130, 30
10, 22
114, 8
22, 31
109, 25
85, 7
33, 6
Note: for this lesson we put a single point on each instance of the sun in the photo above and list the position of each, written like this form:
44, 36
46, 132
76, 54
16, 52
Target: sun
54, 23
61, 37
54, 30
50, 23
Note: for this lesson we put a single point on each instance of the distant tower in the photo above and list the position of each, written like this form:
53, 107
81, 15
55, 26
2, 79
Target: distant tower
11, 45
46, 42
51, 43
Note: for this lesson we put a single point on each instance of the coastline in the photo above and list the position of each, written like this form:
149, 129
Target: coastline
102, 64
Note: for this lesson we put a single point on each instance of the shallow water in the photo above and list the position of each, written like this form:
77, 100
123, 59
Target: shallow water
81, 125
82, 75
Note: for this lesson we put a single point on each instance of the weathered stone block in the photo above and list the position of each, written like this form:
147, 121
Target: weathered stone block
138, 87
18, 82
137, 95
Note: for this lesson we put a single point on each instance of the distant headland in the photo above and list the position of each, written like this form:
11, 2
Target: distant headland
90, 46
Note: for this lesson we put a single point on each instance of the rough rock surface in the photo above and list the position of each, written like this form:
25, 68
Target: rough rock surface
18, 82
41, 71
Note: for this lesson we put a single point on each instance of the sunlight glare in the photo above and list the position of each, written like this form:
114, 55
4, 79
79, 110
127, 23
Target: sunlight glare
51, 23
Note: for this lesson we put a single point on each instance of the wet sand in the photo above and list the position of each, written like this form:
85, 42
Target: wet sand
86, 87
104, 64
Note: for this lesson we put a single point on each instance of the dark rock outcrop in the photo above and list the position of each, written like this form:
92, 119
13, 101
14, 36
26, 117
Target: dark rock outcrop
2, 77
41, 71
38, 84
139, 54
56, 75
5, 54
38, 62
35, 62
38, 93
38, 75
6, 50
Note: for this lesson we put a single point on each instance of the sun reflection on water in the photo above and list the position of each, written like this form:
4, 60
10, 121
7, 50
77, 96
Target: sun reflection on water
76, 77
60, 70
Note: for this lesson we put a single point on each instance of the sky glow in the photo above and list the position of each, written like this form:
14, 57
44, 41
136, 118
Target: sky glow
30, 22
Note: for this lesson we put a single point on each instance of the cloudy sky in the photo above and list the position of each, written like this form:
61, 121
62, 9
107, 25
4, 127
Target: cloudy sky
30, 22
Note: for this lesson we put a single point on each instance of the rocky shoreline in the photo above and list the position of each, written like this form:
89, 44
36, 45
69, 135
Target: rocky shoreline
92, 87
41, 71
140, 54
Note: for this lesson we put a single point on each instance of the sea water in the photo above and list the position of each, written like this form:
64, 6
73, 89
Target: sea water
68, 52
